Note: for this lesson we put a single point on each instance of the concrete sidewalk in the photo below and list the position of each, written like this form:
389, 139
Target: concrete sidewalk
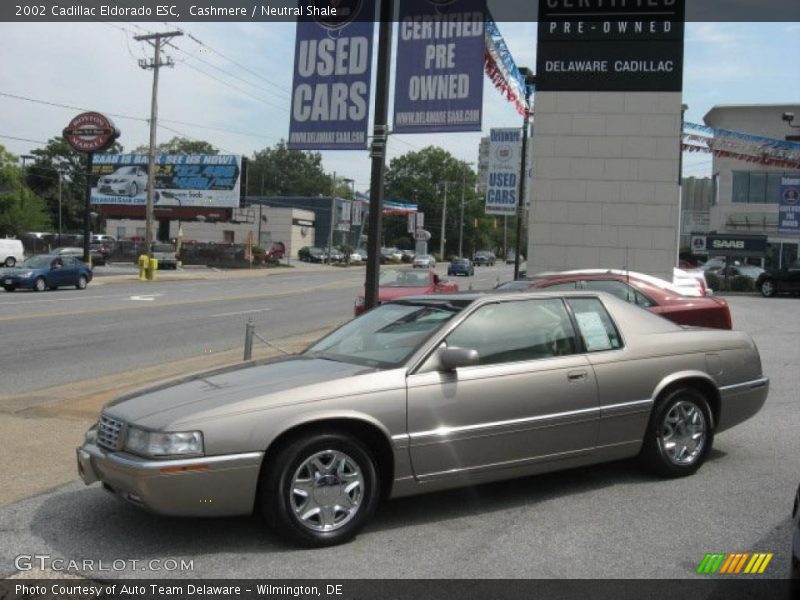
194, 274
41, 429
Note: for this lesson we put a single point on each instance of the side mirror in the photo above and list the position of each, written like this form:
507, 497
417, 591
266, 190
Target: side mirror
452, 358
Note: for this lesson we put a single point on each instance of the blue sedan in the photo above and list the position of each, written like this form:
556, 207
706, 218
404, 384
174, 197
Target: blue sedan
461, 266
44, 272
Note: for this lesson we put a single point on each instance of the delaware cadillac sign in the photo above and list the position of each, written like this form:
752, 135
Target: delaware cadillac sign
90, 132
617, 45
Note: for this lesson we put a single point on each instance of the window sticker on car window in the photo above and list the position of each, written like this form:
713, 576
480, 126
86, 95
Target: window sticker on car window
593, 330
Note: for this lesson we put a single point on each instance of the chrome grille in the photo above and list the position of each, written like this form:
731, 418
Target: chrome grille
108, 433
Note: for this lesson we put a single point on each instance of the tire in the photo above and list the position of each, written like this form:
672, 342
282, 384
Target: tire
82, 283
10, 262
681, 416
325, 523
133, 189
40, 285
767, 288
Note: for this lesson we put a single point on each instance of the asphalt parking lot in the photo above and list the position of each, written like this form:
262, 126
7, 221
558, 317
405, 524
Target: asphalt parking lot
607, 521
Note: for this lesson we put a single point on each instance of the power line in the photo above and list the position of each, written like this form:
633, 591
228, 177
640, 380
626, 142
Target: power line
230, 85
20, 139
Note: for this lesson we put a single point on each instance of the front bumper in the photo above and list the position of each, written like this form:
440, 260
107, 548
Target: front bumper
18, 282
212, 486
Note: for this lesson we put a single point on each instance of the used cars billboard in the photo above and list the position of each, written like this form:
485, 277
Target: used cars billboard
180, 179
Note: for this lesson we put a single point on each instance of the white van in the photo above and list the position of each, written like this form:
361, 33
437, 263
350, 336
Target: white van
11, 252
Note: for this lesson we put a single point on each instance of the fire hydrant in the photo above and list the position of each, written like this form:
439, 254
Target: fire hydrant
143, 264
151, 273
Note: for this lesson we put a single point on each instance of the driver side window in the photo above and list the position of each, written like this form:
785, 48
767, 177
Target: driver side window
517, 331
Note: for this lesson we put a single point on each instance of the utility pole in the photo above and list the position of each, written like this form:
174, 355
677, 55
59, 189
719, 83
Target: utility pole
444, 226
461, 220
333, 214
156, 40
530, 80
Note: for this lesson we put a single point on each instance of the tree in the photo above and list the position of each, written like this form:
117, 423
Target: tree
420, 178
279, 171
20, 209
58, 157
180, 145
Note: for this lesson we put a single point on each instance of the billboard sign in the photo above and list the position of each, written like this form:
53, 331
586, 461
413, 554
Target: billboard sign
502, 182
595, 45
789, 206
439, 80
332, 74
199, 180
90, 132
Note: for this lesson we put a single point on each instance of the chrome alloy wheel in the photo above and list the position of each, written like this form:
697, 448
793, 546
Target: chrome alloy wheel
327, 490
682, 434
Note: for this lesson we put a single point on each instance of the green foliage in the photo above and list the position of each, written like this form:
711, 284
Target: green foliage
279, 171
20, 209
742, 283
713, 281
180, 145
419, 177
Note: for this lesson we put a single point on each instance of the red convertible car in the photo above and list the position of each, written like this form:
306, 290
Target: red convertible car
396, 283
704, 311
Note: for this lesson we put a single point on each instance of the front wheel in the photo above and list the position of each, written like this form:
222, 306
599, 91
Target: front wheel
40, 285
679, 435
320, 489
767, 288
133, 190
82, 282
8, 288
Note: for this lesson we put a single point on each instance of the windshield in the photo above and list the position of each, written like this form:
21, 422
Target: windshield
36, 262
404, 279
386, 336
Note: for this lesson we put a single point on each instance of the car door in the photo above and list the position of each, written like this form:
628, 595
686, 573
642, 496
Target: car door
69, 273
792, 280
531, 397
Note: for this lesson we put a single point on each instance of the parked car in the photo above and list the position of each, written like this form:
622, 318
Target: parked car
312, 254
102, 237
336, 256
424, 261
396, 283
165, 255
95, 254
11, 252
125, 181
780, 281
750, 271
461, 266
355, 258
422, 394
484, 257
511, 257
391, 255
407, 256
706, 311
47, 271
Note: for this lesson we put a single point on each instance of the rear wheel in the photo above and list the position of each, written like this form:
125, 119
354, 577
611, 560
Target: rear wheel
11, 261
767, 288
680, 434
320, 489
40, 285
82, 282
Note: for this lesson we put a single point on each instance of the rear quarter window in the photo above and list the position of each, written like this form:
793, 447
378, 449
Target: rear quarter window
596, 327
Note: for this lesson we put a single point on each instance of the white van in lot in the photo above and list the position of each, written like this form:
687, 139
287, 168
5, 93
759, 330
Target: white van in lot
11, 252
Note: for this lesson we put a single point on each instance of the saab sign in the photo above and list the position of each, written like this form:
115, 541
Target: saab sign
736, 245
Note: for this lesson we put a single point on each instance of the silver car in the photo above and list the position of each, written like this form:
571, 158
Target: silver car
422, 394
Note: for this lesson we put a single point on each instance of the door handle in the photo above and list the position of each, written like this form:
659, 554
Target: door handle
573, 376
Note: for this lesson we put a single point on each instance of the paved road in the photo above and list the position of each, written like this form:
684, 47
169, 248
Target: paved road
68, 335
600, 522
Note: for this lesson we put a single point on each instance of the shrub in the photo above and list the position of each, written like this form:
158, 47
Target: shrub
742, 283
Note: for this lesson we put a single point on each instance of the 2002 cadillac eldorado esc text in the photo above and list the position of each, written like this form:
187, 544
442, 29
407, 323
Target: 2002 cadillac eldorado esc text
421, 394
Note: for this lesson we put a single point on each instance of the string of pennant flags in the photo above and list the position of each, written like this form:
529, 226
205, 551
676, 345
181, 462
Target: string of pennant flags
746, 147
756, 140
501, 69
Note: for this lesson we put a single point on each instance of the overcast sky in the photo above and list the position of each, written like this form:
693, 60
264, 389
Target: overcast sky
242, 105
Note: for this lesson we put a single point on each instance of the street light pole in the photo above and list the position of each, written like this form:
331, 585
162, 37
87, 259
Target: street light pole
461, 220
444, 226
24, 158
530, 80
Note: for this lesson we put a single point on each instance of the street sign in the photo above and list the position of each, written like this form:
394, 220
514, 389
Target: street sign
421, 235
90, 132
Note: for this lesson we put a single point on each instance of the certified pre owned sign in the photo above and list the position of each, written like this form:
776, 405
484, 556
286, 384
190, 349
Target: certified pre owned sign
90, 132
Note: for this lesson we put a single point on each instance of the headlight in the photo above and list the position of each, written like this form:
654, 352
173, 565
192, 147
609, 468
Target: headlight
156, 443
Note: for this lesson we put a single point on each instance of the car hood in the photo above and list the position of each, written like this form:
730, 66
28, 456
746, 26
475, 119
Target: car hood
210, 393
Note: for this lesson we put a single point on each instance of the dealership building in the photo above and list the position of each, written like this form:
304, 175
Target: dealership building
747, 193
